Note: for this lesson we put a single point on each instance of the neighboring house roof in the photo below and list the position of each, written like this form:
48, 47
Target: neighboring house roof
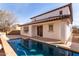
70, 8
48, 19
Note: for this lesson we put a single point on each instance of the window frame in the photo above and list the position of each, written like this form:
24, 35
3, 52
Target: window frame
26, 29
60, 12
49, 27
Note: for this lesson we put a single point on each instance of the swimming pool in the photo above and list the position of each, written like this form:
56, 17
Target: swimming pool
23, 51
35, 48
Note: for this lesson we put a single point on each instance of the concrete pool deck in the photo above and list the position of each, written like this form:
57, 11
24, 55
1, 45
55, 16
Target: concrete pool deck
7, 49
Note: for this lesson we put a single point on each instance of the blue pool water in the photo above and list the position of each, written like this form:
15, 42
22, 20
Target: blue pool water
75, 54
22, 50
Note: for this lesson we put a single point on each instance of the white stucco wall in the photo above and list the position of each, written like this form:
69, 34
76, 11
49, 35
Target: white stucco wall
62, 32
69, 33
65, 11
22, 32
29, 33
55, 34
34, 31
66, 31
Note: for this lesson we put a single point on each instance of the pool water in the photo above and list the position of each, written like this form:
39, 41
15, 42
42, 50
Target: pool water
21, 49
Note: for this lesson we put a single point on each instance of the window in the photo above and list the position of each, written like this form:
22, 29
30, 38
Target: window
60, 12
51, 27
26, 29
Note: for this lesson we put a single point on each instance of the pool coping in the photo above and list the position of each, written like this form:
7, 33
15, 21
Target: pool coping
7, 48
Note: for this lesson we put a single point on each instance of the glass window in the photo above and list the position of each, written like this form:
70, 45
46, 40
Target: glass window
26, 29
51, 27
60, 12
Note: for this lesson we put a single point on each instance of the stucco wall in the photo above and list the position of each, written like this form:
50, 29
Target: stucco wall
62, 32
65, 11
66, 31
29, 33
55, 34
69, 32
34, 31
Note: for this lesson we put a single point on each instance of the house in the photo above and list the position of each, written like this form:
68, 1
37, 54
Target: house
55, 24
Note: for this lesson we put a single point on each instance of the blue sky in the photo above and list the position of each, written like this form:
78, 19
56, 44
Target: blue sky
24, 12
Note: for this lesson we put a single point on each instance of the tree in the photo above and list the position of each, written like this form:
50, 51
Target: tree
7, 19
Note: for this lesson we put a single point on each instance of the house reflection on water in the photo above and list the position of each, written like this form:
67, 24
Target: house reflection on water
46, 49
